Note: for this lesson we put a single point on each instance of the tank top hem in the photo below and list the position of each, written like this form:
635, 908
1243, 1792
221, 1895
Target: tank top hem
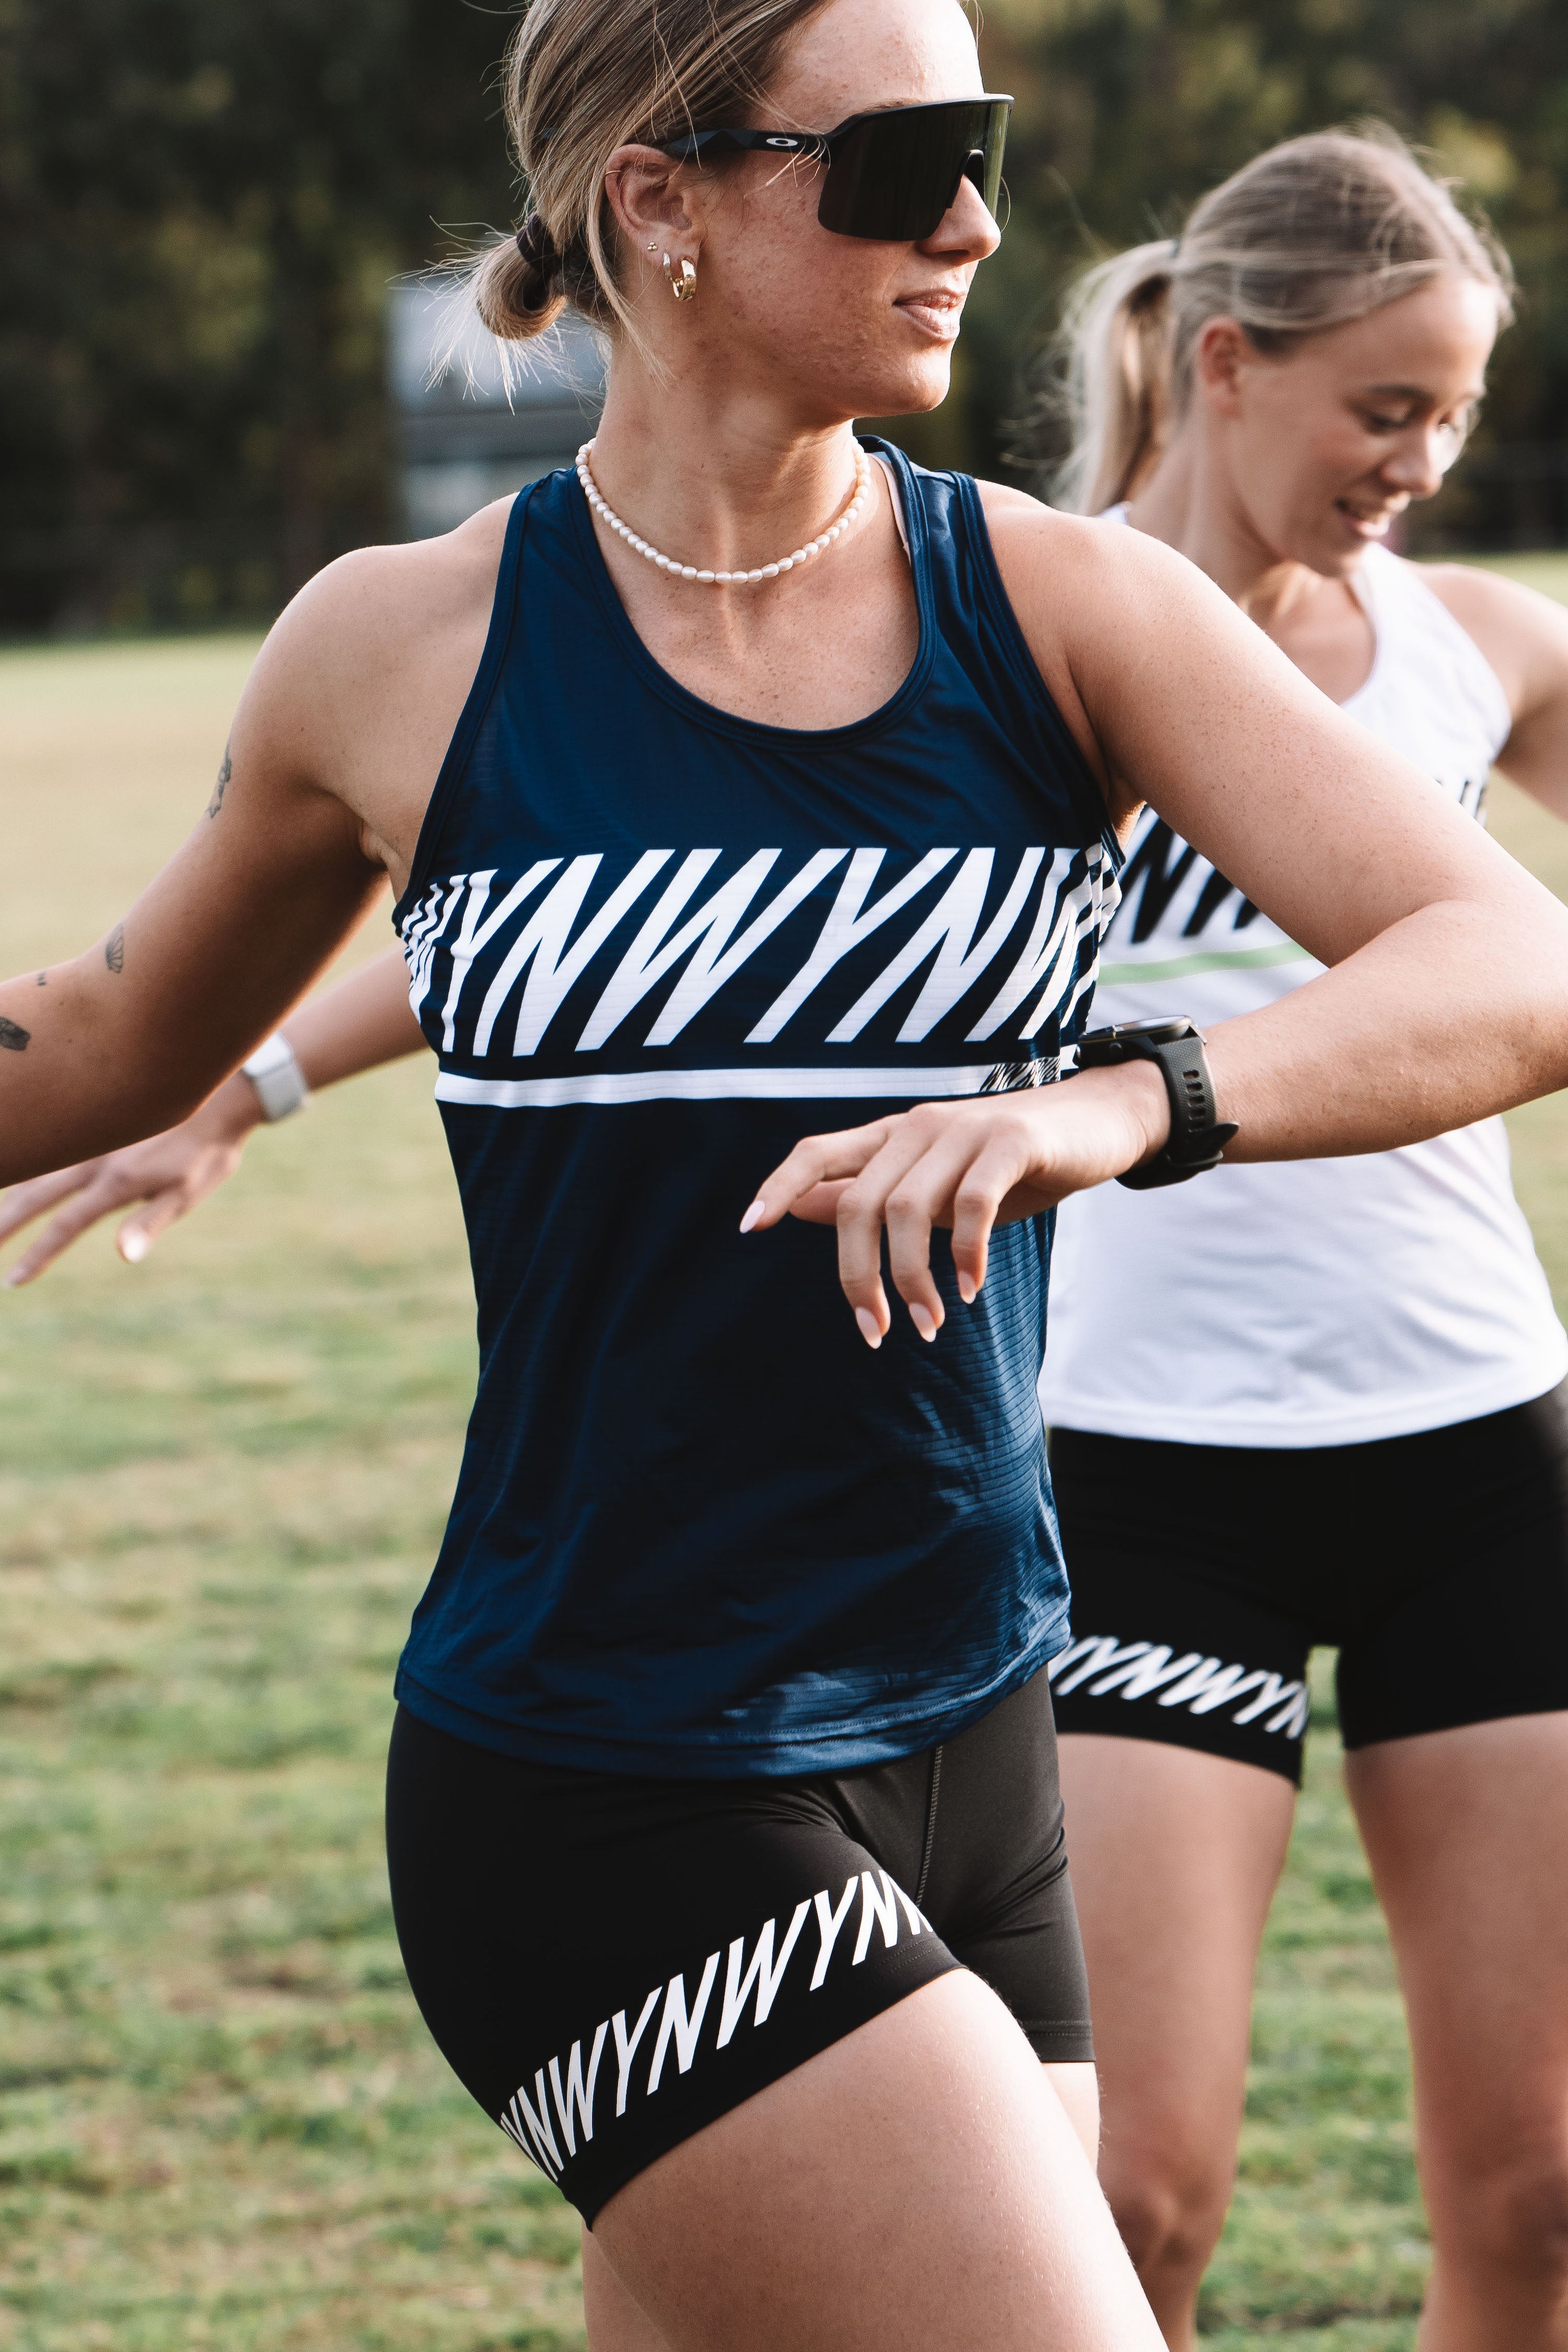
789, 1755
1296, 1431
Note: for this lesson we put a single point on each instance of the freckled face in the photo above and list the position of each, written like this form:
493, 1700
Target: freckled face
1336, 438
860, 328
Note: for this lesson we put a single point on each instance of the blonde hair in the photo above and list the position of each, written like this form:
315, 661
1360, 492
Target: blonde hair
581, 78
1308, 236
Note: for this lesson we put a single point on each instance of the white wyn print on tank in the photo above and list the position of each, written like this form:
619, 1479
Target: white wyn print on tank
593, 971
1324, 1302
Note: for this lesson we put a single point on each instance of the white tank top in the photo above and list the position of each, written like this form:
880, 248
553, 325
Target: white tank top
1317, 1302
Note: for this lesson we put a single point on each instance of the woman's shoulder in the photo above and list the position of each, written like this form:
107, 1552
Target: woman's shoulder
365, 674
1063, 556
383, 605
1522, 634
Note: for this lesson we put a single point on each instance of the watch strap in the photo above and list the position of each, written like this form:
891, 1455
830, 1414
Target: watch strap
278, 1080
1197, 1138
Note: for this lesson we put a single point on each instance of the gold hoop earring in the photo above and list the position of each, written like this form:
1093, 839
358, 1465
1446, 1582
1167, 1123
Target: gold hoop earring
683, 288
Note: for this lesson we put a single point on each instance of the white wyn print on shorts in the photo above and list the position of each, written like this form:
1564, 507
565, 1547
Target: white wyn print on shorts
1148, 1670
751, 1985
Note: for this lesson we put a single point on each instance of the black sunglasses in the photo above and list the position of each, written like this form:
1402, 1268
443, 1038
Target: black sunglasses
891, 175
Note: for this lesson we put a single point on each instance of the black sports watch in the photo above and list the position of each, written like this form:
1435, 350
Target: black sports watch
1197, 1138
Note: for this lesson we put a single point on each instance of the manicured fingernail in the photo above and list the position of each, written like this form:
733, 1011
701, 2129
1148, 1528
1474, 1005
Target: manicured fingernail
134, 1248
924, 1320
966, 1289
871, 1329
758, 1209
14, 1279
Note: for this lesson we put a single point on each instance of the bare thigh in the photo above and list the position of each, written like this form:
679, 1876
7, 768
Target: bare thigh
1176, 1857
917, 2182
1466, 1831
617, 2323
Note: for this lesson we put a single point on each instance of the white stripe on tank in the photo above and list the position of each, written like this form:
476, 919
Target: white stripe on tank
714, 1086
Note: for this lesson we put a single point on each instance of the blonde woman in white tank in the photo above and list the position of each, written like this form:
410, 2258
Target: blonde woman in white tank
1322, 1402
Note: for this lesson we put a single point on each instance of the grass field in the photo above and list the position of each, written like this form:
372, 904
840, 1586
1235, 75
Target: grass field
222, 1479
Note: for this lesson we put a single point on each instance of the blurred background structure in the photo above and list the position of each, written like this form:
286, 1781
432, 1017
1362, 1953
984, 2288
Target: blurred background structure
462, 435
206, 205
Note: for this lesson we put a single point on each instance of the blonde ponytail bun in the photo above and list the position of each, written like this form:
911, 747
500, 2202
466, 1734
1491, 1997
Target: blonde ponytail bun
516, 284
581, 78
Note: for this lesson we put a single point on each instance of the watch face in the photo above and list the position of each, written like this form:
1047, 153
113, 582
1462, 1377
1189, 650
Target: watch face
1158, 1033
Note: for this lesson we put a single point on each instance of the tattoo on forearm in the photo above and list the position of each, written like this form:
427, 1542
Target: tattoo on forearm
114, 949
13, 1036
221, 786
43, 979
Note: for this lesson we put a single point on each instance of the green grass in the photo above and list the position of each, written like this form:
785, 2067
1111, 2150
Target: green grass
222, 1479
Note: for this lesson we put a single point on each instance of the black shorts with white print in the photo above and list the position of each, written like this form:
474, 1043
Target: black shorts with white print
609, 1963
1204, 1575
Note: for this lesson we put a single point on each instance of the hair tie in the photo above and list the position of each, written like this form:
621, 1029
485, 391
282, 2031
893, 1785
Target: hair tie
538, 249
1176, 247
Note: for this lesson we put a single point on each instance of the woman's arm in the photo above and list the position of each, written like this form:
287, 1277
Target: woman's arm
1446, 996
1524, 636
362, 1022
335, 749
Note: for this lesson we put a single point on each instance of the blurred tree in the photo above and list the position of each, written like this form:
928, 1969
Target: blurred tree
201, 201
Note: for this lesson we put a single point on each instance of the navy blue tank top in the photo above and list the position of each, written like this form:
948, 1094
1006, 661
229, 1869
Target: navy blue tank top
701, 1529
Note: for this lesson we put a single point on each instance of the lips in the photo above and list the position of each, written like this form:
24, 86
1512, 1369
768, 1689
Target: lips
936, 309
1367, 522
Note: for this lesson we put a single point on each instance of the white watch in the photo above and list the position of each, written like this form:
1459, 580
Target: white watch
278, 1080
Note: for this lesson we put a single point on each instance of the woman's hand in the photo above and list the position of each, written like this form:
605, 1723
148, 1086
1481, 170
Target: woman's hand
169, 1173
967, 1165
356, 1025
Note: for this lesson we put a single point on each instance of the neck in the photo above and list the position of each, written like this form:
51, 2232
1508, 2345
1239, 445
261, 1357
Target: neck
1191, 504
720, 478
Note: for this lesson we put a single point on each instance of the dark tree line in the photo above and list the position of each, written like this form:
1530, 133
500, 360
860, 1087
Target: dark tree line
202, 202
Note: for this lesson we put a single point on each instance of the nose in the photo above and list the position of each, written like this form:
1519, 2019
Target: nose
1422, 458
966, 231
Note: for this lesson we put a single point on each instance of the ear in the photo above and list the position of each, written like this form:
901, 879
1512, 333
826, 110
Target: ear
651, 196
1220, 362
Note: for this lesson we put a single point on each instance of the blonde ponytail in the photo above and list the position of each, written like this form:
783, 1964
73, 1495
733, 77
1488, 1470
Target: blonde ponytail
1308, 236
1117, 338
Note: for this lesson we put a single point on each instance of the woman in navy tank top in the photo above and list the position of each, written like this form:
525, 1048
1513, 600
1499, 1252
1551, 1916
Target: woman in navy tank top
750, 782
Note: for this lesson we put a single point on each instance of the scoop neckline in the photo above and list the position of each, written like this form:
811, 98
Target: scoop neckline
733, 722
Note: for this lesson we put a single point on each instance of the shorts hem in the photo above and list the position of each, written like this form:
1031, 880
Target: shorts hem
1467, 1719
1170, 1731
1059, 2042
590, 2199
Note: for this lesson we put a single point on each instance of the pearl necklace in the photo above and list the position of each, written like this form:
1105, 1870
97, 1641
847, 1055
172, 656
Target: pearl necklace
846, 522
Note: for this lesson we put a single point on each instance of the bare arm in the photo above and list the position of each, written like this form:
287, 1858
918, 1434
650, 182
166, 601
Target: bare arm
1446, 992
1446, 996
335, 748
1524, 636
362, 1022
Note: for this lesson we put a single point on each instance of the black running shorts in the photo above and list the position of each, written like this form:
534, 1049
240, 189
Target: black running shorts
610, 1963
1202, 1576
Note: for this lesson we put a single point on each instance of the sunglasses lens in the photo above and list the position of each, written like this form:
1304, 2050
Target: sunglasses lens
895, 174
